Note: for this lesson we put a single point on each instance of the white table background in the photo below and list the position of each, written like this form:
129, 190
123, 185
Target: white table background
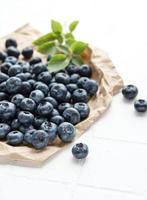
116, 168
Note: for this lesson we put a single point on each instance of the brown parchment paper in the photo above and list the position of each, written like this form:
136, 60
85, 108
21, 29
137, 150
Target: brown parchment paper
104, 73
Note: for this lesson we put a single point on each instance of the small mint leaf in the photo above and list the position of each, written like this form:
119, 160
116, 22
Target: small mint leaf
69, 35
77, 60
56, 27
48, 47
73, 25
78, 47
45, 38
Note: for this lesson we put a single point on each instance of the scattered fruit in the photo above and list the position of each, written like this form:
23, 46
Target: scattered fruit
140, 105
130, 92
80, 151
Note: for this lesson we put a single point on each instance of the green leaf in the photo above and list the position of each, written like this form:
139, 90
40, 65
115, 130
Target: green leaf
58, 62
73, 25
45, 38
69, 35
63, 49
48, 47
56, 27
78, 47
77, 60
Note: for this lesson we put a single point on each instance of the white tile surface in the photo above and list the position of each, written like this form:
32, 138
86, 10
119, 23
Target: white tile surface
116, 168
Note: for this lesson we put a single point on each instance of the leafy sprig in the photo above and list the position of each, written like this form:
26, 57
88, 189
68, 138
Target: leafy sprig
63, 47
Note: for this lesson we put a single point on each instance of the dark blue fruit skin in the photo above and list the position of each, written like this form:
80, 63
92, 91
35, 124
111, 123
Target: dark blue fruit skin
91, 87
52, 101
13, 51
24, 129
71, 87
58, 91
15, 124
42, 86
32, 82
44, 108
3, 56
16, 99
44, 77
66, 132
28, 136
3, 87
15, 138
4, 130
71, 115
74, 78
58, 119
25, 88
5, 67
140, 105
51, 129
27, 52
62, 78
11, 59
64, 106
72, 69
83, 109
38, 68
40, 139
26, 118
7, 110
3, 96
22, 76
85, 70
28, 104
37, 95
25, 67
35, 60
38, 120
67, 97
80, 151
82, 81
51, 85
13, 84
80, 95
54, 113
10, 42
130, 92
3, 77
15, 69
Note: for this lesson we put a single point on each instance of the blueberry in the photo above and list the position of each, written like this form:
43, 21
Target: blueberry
35, 60
13, 51
37, 95
80, 150
59, 92
42, 86
38, 121
38, 68
28, 136
13, 84
44, 77
15, 124
71, 115
4, 130
40, 139
25, 67
15, 69
21, 76
27, 52
3, 56
82, 81
130, 92
44, 108
66, 132
3, 96
140, 105
24, 128
25, 118
72, 69
28, 104
3, 87
52, 101
62, 78
10, 42
25, 88
54, 113
51, 129
16, 99
51, 85
57, 119
74, 78
15, 138
3, 77
83, 109
7, 110
63, 106
71, 87
91, 87
85, 70
11, 59
32, 82
5, 67
80, 95
67, 97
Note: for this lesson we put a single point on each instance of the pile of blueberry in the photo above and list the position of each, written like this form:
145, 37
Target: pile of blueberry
130, 92
37, 106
